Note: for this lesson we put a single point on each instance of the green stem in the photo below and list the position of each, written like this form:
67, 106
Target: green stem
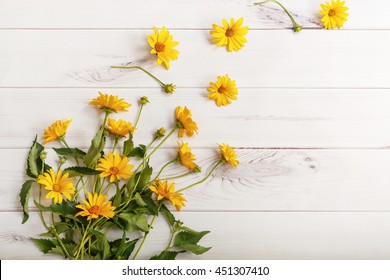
178, 176
142, 69
139, 115
159, 145
204, 179
40, 211
147, 233
171, 239
115, 144
297, 27
54, 232
162, 168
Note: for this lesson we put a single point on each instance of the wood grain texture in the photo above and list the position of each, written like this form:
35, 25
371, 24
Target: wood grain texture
179, 14
243, 236
82, 58
265, 180
304, 118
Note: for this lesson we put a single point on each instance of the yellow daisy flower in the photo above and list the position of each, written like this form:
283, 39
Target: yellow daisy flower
185, 122
163, 46
186, 157
229, 155
58, 185
119, 128
223, 91
167, 190
96, 206
56, 130
231, 35
334, 14
110, 103
115, 166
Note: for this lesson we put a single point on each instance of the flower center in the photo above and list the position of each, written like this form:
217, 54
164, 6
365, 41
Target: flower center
229, 32
160, 47
331, 13
221, 90
56, 188
94, 210
114, 170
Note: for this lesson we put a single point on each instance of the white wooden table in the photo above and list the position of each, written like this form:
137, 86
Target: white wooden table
311, 126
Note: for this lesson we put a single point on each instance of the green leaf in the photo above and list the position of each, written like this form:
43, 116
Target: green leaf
150, 204
188, 240
128, 146
194, 248
138, 199
103, 247
66, 208
145, 176
79, 170
133, 222
95, 150
74, 152
122, 249
61, 227
42, 207
168, 215
58, 250
34, 162
138, 151
24, 196
44, 244
165, 255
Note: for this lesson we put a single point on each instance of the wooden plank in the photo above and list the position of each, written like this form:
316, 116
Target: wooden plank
305, 118
197, 14
265, 180
243, 236
82, 58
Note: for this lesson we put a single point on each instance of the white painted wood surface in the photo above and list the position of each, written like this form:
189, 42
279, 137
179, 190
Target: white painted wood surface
310, 126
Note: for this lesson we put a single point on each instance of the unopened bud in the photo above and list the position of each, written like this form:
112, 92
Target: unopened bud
43, 155
169, 88
297, 28
144, 100
160, 132
62, 159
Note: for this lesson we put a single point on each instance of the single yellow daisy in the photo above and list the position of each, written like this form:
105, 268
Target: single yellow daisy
119, 128
223, 91
58, 185
333, 14
115, 166
167, 190
231, 35
163, 46
186, 157
56, 130
229, 154
185, 122
96, 206
110, 103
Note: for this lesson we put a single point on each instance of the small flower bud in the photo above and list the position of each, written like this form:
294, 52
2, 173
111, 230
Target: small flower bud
106, 133
43, 155
144, 100
297, 28
160, 132
62, 159
169, 88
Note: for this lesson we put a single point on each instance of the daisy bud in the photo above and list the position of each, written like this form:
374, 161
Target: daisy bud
169, 88
160, 132
43, 155
297, 28
62, 160
144, 100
